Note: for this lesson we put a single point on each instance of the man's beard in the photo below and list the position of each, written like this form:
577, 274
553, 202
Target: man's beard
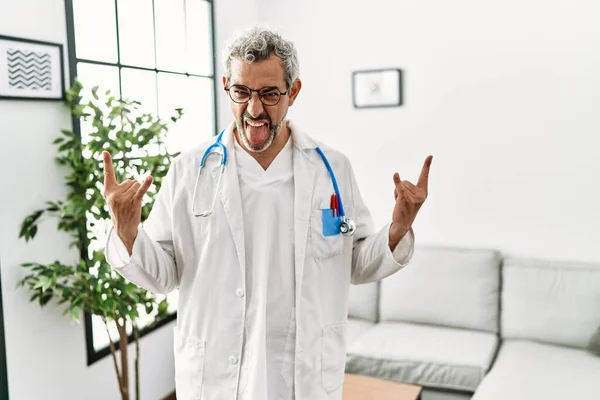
259, 147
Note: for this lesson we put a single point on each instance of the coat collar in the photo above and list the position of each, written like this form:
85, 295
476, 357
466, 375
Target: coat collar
301, 140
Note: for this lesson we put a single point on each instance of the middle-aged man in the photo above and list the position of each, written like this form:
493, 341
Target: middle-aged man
263, 279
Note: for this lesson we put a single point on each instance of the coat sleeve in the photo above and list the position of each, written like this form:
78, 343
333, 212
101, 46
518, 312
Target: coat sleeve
152, 263
372, 259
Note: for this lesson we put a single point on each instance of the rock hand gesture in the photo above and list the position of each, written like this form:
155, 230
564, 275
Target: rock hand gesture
124, 202
409, 199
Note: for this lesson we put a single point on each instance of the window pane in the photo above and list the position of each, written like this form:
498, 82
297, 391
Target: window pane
95, 30
195, 96
106, 77
140, 86
199, 38
100, 336
90, 75
170, 35
136, 33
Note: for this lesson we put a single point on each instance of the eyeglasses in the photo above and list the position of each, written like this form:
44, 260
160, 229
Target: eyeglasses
241, 94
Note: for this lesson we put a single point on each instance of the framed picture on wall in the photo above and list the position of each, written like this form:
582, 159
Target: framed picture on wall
377, 88
31, 69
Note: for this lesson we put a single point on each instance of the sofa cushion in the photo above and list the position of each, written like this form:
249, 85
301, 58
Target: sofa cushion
430, 356
552, 302
356, 327
362, 301
594, 344
445, 286
526, 370
444, 394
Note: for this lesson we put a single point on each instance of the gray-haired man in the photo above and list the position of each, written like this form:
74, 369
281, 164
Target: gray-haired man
263, 278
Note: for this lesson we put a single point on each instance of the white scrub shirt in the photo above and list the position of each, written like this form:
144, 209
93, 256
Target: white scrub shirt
268, 208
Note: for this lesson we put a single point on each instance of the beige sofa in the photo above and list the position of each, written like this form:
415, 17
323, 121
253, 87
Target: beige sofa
468, 324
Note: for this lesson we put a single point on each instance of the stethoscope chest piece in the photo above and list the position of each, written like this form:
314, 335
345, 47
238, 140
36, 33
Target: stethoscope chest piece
347, 227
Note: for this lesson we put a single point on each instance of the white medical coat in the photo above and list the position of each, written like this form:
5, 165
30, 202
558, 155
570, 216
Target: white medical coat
205, 259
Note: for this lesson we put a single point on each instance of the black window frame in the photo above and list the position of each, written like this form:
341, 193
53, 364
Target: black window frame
92, 354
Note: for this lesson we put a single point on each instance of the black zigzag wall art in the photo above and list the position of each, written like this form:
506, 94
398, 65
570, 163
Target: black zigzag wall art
31, 69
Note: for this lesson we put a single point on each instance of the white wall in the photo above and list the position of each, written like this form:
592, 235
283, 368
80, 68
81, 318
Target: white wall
46, 356
505, 95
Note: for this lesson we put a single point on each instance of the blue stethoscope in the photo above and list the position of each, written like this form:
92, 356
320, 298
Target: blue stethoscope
343, 224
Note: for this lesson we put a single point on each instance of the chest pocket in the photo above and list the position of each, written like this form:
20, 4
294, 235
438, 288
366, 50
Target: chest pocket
323, 247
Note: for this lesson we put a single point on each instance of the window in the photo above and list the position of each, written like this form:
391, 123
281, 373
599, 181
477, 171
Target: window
158, 52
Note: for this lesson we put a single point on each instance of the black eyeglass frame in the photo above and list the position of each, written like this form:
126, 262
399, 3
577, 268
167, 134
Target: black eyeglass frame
260, 92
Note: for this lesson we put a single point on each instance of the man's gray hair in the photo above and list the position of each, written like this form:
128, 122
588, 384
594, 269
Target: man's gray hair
258, 44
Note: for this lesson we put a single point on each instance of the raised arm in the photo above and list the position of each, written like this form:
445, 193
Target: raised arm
377, 255
145, 257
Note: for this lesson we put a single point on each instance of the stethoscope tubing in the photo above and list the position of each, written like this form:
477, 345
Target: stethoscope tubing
347, 225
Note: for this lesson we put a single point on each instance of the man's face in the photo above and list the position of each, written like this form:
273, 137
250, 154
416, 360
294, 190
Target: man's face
257, 124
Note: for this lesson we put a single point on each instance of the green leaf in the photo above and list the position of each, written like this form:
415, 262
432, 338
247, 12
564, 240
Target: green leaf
29, 227
45, 297
163, 307
44, 283
66, 146
52, 207
33, 231
74, 313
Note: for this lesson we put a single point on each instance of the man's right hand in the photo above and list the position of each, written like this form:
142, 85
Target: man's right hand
124, 202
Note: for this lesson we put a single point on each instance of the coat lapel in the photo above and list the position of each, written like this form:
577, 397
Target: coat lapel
304, 182
231, 198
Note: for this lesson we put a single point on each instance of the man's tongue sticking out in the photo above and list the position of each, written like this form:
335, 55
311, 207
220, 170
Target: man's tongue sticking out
257, 131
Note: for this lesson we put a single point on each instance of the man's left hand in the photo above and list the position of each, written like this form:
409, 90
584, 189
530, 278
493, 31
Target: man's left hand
409, 199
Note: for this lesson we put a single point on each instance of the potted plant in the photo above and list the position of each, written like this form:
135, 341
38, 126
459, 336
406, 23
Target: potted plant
91, 285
